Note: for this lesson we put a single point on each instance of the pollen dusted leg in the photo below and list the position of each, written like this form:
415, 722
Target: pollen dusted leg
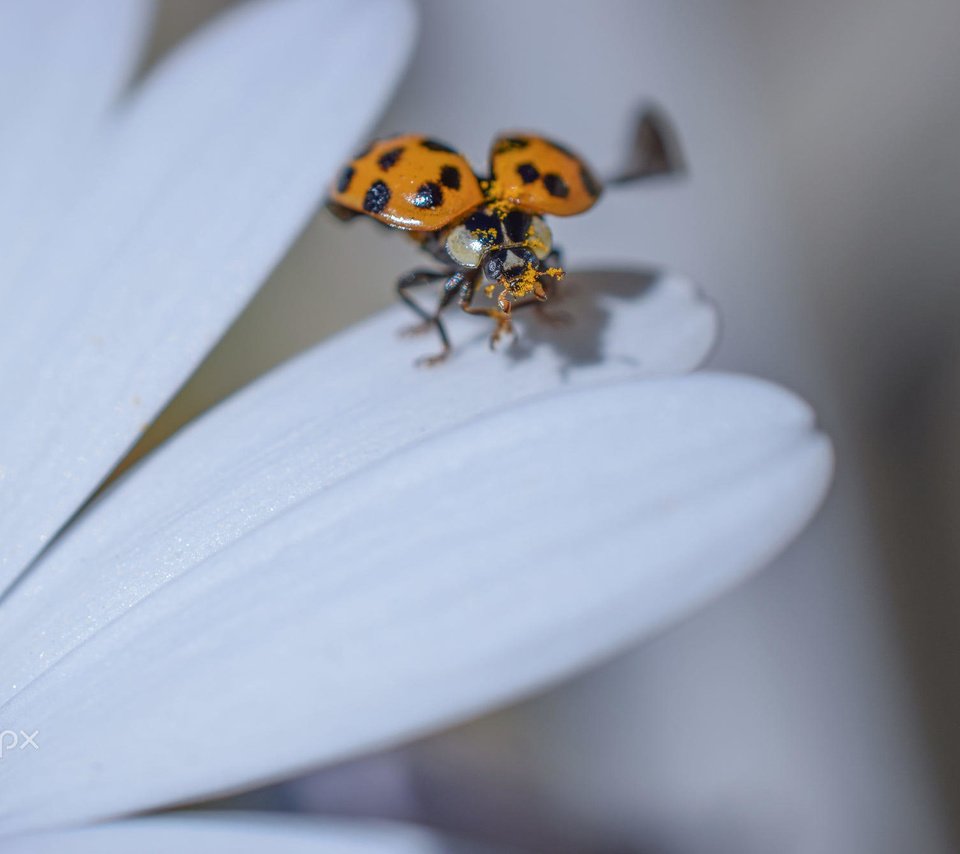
501, 313
548, 285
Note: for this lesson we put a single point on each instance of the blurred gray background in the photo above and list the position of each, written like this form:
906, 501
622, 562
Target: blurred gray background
813, 709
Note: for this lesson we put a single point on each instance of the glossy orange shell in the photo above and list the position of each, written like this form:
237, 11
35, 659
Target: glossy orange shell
541, 176
410, 182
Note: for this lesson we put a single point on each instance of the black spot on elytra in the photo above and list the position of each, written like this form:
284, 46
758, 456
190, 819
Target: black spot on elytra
590, 184
346, 176
429, 195
450, 177
516, 224
528, 172
389, 158
434, 145
555, 185
510, 143
485, 227
377, 197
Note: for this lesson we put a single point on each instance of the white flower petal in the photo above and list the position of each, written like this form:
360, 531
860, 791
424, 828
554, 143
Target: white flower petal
62, 65
461, 572
239, 833
313, 422
211, 171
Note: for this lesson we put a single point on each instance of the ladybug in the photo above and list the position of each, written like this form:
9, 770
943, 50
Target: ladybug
489, 230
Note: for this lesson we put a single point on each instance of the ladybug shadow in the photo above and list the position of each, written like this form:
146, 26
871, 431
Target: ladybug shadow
574, 321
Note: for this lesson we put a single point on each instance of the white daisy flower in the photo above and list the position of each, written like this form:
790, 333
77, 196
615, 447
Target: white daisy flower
351, 552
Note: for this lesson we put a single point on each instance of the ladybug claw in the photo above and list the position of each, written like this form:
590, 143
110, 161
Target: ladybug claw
503, 327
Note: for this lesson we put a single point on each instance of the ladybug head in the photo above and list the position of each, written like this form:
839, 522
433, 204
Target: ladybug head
512, 267
519, 270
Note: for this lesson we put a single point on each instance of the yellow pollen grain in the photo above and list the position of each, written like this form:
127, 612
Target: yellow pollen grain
530, 279
493, 194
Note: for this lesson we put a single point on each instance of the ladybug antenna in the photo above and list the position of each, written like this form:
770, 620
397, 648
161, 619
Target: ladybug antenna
654, 149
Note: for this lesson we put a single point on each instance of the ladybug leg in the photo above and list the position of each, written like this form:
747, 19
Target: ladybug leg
453, 284
412, 280
548, 284
501, 313
451, 287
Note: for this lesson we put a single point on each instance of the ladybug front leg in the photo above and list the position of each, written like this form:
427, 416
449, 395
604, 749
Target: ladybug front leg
501, 313
549, 288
